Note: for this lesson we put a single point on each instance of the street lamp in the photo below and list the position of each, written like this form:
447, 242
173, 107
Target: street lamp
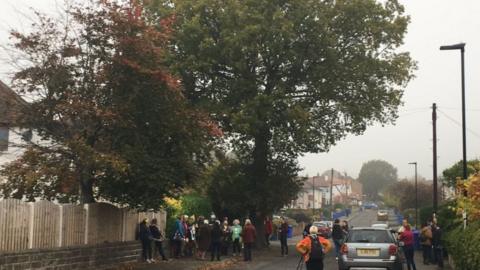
416, 194
461, 47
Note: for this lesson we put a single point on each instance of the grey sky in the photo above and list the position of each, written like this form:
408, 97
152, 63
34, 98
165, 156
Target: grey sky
433, 23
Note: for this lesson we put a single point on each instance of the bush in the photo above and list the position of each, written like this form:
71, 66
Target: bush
195, 204
463, 246
189, 204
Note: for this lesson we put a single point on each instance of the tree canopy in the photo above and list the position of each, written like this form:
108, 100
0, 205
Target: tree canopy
401, 194
113, 121
451, 174
376, 175
287, 77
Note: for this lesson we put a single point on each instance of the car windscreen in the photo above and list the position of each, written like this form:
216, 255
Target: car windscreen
369, 236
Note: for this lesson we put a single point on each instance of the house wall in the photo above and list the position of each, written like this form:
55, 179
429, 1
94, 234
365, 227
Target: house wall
10, 152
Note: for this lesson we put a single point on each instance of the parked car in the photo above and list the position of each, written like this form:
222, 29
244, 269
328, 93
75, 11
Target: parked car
323, 228
370, 205
382, 215
367, 247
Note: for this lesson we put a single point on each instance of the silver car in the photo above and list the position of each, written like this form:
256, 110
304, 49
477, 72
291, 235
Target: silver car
370, 248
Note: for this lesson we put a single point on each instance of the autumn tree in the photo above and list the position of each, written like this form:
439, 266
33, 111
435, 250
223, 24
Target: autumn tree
286, 77
112, 121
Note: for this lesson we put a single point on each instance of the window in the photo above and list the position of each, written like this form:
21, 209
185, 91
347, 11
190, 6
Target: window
3, 139
369, 236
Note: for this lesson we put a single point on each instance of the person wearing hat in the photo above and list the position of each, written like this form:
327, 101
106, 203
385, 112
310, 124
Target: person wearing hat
311, 246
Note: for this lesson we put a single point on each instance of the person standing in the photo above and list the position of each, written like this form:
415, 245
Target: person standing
178, 236
157, 238
408, 249
437, 244
236, 231
226, 237
313, 249
216, 242
283, 237
426, 242
249, 234
268, 230
345, 228
145, 237
306, 230
337, 236
203, 238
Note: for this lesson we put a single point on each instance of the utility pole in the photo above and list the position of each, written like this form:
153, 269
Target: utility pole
313, 196
331, 195
434, 123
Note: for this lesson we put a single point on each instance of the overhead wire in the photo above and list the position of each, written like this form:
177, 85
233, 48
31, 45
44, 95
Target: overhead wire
458, 123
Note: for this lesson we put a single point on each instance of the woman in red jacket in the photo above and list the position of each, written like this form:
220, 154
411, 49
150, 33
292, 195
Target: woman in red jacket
407, 237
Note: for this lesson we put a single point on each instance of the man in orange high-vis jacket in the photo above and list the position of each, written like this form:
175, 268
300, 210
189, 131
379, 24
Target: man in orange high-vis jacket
305, 248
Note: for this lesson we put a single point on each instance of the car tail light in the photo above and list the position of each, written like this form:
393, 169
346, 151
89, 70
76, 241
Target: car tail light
392, 250
344, 249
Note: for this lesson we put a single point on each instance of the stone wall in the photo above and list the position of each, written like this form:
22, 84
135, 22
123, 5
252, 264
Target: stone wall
101, 256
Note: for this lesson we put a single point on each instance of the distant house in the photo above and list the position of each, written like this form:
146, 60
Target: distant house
11, 134
316, 191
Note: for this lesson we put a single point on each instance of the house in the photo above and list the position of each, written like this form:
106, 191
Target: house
11, 134
315, 192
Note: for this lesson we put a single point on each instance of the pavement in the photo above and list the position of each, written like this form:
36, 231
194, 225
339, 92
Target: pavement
271, 259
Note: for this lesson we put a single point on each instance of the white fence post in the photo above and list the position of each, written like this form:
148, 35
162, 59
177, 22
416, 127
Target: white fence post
30, 234
60, 224
86, 223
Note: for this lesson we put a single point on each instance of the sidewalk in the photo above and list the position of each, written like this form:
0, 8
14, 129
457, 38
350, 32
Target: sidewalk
188, 264
420, 266
259, 256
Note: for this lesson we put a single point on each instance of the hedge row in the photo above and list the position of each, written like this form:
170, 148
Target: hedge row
464, 246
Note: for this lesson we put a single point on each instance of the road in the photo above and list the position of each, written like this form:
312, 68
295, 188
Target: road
272, 262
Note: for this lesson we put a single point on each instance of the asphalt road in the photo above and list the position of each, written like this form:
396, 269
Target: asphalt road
276, 262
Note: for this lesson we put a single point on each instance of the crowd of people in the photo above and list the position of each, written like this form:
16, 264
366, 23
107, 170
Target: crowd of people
195, 237
430, 240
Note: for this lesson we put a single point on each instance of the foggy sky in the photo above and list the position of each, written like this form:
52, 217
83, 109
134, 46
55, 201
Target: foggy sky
433, 23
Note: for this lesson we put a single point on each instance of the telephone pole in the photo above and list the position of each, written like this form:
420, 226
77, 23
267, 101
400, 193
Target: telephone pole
331, 195
313, 196
434, 123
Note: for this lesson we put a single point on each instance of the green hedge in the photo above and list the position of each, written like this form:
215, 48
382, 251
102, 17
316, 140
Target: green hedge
464, 246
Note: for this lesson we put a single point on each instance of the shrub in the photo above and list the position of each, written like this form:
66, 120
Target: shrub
463, 246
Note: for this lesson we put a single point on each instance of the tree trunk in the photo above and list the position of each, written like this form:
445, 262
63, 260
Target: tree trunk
85, 177
259, 176
86, 191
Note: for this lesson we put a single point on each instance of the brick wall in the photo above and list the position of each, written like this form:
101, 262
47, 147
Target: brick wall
101, 256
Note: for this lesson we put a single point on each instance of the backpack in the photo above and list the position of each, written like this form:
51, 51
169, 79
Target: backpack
316, 252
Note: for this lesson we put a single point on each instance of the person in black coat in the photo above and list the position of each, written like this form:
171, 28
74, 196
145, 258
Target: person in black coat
337, 235
216, 238
157, 237
437, 244
145, 236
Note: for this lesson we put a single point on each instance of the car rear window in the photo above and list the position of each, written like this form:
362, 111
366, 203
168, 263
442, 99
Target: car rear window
369, 236
320, 224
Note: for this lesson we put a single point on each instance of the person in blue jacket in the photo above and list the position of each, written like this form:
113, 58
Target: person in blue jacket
178, 237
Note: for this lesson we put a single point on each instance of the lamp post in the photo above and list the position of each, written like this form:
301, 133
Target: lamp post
461, 47
416, 194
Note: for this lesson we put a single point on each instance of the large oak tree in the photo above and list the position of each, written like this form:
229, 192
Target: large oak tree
285, 77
